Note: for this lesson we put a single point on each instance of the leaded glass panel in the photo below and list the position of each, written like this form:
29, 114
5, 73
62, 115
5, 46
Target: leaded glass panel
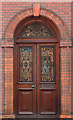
47, 63
36, 30
25, 64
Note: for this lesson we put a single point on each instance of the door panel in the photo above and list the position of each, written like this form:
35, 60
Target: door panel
25, 101
47, 79
25, 79
47, 101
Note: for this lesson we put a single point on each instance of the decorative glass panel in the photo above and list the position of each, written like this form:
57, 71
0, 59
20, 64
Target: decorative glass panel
36, 30
47, 63
25, 64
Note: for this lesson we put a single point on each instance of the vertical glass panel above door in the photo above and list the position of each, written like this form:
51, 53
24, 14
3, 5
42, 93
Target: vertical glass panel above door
47, 64
25, 64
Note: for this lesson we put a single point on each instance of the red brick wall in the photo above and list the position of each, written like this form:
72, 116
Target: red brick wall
65, 68
3, 83
0, 59
9, 80
63, 10
72, 55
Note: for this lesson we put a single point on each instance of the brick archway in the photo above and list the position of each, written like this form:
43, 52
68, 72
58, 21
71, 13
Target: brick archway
8, 43
64, 40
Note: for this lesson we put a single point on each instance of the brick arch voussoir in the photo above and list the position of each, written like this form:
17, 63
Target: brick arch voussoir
15, 21
57, 21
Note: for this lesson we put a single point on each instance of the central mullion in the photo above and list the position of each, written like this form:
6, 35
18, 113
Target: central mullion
36, 79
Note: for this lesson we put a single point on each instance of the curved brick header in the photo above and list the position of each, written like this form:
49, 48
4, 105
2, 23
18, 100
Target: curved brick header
64, 41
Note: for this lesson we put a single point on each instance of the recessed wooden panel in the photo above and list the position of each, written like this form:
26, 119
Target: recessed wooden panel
25, 102
47, 101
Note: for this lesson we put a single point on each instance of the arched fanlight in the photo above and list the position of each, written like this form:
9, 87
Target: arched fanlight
36, 30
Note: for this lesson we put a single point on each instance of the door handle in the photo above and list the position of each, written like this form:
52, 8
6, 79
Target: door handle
33, 86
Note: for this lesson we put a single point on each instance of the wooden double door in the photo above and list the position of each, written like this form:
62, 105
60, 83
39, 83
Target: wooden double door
36, 90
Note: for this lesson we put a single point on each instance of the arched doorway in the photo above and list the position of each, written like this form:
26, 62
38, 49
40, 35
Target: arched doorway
36, 69
55, 24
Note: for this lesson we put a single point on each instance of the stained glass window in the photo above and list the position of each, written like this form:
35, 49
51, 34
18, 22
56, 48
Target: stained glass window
25, 64
36, 30
47, 63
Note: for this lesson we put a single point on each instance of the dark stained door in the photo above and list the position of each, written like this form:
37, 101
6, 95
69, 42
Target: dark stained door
37, 80
25, 102
47, 79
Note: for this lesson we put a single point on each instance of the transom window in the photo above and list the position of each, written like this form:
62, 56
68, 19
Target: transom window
36, 30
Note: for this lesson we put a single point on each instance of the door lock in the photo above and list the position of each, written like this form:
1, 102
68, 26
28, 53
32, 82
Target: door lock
33, 86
